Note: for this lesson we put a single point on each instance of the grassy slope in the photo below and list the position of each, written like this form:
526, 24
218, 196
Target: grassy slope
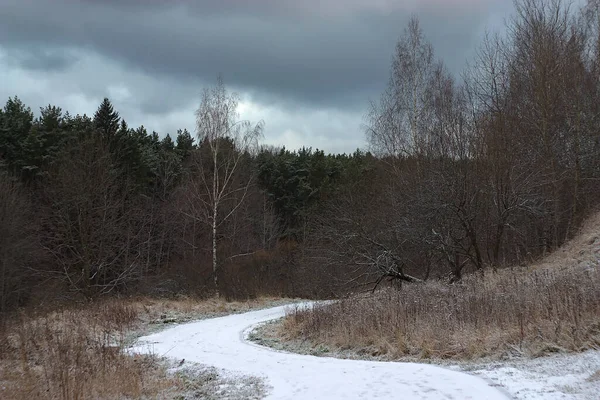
551, 306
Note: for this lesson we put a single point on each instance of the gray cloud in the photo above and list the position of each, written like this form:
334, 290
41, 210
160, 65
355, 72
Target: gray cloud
154, 56
267, 47
37, 58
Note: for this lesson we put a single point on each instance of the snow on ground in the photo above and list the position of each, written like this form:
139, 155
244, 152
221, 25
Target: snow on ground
557, 377
221, 343
208, 383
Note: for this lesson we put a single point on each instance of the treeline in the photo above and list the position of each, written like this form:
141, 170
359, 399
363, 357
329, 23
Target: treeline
494, 170
90, 206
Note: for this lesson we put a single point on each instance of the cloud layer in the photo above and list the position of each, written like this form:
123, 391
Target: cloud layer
308, 68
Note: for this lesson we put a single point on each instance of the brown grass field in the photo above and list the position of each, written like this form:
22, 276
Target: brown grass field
551, 306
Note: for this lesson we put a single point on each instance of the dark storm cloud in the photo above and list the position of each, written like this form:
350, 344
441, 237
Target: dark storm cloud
38, 58
329, 53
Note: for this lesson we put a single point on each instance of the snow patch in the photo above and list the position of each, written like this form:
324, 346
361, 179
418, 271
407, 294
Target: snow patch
556, 377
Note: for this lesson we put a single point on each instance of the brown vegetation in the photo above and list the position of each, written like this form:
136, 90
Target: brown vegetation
80, 352
477, 175
552, 306
495, 170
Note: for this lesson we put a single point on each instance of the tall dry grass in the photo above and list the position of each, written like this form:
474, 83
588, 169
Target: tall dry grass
509, 312
79, 352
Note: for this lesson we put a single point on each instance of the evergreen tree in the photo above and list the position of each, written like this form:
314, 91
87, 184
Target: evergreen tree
15, 123
106, 119
141, 135
185, 143
167, 143
168, 169
81, 126
123, 129
155, 140
124, 150
44, 141
296, 181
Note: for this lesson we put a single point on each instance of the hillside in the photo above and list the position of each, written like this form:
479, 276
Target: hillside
583, 251
550, 306
532, 331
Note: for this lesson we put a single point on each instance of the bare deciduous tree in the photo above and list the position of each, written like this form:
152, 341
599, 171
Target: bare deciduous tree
18, 244
225, 142
397, 125
94, 229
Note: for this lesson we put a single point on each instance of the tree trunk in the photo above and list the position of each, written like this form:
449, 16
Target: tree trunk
215, 210
214, 249
498, 242
577, 182
3, 285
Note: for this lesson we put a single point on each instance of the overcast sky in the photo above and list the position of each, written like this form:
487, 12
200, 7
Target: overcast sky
308, 68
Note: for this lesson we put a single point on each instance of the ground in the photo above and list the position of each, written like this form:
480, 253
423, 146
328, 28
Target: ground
222, 343
561, 376
566, 376
523, 374
80, 351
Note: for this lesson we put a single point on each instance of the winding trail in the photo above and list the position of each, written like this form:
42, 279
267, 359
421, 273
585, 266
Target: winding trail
221, 342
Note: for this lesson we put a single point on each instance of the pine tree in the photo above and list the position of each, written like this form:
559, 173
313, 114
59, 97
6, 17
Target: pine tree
45, 140
185, 143
106, 119
155, 141
168, 169
167, 143
15, 123
2, 162
81, 125
123, 129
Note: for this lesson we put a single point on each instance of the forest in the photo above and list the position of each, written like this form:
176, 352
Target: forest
488, 170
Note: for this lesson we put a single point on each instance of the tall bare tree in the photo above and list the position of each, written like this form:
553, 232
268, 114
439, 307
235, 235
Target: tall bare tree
225, 141
546, 77
397, 124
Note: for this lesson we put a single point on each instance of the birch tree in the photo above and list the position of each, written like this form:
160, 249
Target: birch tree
225, 142
398, 124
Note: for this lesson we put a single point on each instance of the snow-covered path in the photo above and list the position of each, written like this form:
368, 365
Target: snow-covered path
220, 342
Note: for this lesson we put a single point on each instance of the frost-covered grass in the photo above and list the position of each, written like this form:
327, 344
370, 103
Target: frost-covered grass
520, 312
552, 306
80, 352
556, 376
209, 383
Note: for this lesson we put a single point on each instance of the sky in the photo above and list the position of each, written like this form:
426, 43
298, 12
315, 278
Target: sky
307, 68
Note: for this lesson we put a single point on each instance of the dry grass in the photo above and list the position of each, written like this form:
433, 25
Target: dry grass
76, 354
184, 309
582, 251
552, 306
79, 352
505, 313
